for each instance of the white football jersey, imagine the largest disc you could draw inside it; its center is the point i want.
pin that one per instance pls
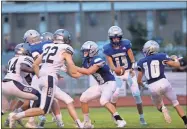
(14, 72)
(52, 59)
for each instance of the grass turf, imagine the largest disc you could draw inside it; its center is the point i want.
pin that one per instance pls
(102, 119)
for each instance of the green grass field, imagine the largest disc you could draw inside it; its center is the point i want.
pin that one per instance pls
(102, 119)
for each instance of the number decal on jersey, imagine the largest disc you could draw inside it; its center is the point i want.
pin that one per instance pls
(154, 69)
(123, 61)
(98, 78)
(12, 67)
(48, 53)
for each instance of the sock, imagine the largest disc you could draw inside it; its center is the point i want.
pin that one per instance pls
(19, 115)
(117, 116)
(78, 122)
(59, 118)
(86, 117)
(184, 119)
(141, 116)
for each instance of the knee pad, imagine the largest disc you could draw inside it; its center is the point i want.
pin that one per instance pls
(103, 102)
(175, 102)
(138, 99)
(83, 98)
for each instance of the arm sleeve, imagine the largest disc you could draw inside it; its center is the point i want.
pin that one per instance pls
(106, 51)
(28, 61)
(69, 50)
(99, 62)
(128, 45)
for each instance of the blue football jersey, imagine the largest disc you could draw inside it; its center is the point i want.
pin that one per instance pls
(119, 56)
(103, 74)
(153, 66)
(38, 47)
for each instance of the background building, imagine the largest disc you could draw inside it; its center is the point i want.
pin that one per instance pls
(140, 21)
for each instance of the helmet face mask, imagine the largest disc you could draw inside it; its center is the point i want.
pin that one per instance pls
(47, 36)
(32, 37)
(22, 49)
(62, 36)
(115, 35)
(89, 49)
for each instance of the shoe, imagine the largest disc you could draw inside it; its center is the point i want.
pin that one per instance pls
(12, 121)
(80, 126)
(114, 120)
(42, 121)
(32, 125)
(142, 121)
(60, 124)
(88, 125)
(6, 124)
(166, 115)
(121, 123)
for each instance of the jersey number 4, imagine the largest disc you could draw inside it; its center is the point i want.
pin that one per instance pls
(12, 66)
(49, 51)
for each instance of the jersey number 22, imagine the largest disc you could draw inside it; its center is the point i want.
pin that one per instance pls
(49, 51)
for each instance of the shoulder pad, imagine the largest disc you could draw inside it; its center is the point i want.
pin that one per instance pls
(106, 49)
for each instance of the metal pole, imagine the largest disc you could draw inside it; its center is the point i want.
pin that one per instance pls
(112, 12)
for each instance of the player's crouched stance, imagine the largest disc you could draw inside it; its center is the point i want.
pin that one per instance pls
(94, 65)
(153, 68)
(13, 83)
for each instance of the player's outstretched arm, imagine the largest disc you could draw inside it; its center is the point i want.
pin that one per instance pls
(36, 65)
(88, 71)
(171, 63)
(71, 68)
(26, 68)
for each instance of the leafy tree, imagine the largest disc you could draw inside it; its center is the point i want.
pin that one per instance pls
(139, 35)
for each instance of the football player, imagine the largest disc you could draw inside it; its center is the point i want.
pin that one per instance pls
(53, 58)
(119, 54)
(36, 50)
(14, 81)
(94, 65)
(152, 66)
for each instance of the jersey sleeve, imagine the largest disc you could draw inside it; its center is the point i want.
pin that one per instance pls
(165, 58)
(69, 50)
(106, 50)
(28, 61)
(99, 62)
(128, 44)
(140, 65)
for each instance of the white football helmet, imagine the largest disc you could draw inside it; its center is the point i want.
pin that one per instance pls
(91, 47)
(47, 36)
(32, 37)
(150, 47)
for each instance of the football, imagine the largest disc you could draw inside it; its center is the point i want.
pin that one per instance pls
(119, 71)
